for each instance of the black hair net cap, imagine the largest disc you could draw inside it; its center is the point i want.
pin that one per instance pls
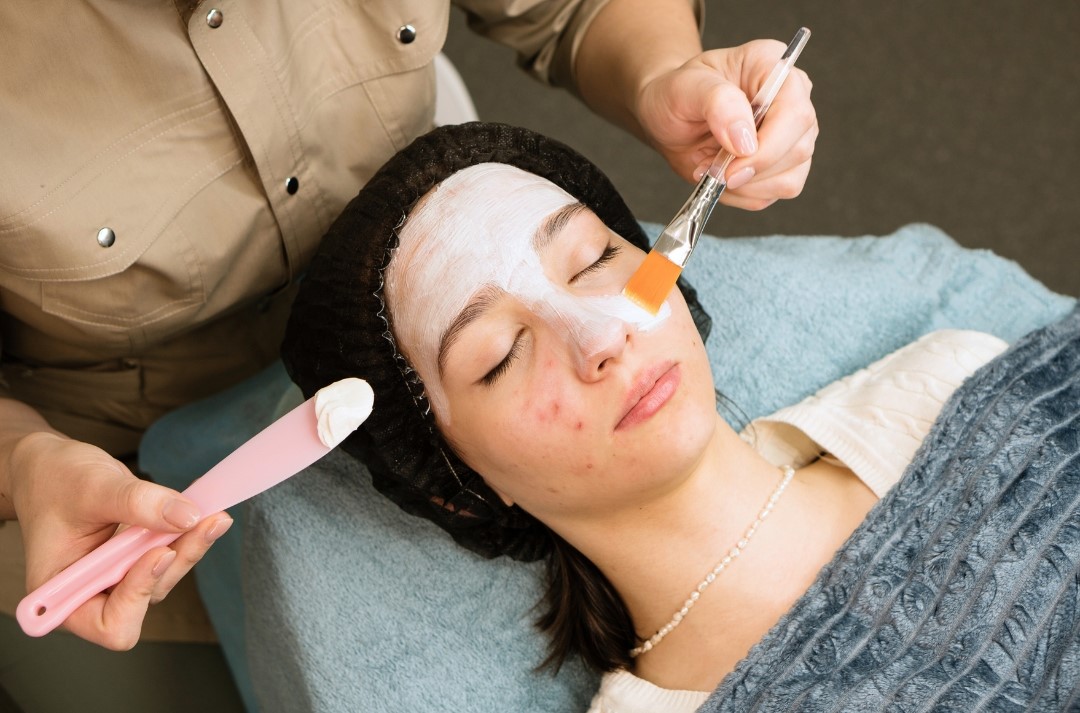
(339, 328)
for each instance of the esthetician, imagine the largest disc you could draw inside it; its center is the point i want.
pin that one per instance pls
(170, 168)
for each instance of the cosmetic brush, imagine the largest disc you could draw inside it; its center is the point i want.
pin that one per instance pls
(650, 285)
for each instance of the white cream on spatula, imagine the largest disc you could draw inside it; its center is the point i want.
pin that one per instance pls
(340, 409)
(282, 449)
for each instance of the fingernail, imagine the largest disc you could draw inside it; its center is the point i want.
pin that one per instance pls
(742, 135)
(163, 563)
(699, 172)
(740, 178)
(219, 528)
(179, 513)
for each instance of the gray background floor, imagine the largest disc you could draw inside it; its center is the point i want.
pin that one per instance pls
(959, 113)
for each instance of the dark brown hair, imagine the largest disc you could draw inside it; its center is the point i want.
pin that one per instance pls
(582, 613)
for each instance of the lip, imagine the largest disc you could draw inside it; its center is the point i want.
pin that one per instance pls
(651, 390)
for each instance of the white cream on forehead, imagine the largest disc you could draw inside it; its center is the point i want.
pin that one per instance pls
(474, 230)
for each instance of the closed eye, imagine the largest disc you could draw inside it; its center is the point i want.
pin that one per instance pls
(605, 257)
(501, 368)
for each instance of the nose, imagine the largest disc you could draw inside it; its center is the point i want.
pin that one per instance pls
(595, 330)
(599, 342)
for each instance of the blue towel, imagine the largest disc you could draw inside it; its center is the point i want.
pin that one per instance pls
(349, 604)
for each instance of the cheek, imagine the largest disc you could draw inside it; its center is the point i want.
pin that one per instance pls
(547, 404)
(535, 423)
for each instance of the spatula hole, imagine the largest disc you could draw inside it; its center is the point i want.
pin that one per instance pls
(41, 610)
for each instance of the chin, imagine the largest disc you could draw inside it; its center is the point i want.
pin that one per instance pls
(680, 437)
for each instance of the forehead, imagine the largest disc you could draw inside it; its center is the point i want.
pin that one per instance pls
(475, 229)
(486, 211)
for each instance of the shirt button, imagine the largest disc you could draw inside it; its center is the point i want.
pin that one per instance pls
(214, 18)
(406, 34)
(292, 185)
(106, 237)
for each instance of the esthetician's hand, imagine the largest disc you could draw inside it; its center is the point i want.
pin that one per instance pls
(68, 497)
(688, 112)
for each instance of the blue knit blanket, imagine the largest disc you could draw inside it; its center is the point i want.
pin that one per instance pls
(961, 589)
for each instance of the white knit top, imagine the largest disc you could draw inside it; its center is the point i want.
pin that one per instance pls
(871, 421)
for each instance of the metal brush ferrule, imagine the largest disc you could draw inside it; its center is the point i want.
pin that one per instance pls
(681, 234)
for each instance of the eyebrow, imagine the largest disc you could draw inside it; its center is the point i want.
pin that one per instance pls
(554, 223)
(477, 307)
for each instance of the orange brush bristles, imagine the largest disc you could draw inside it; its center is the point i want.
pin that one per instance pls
(651, 284)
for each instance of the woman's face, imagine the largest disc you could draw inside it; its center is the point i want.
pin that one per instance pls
(505, 296)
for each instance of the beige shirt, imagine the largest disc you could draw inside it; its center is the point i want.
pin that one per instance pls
(872, 421)
(170, 166)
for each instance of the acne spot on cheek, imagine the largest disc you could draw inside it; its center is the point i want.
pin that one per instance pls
(548, 413)
(578, 426)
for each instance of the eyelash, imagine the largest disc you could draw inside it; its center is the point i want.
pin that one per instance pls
(605, 257)
(492, 376)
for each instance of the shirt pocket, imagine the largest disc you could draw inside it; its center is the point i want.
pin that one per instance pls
(162, 284)
(101, 249)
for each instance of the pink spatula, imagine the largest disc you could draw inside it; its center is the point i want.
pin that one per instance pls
(282, 449)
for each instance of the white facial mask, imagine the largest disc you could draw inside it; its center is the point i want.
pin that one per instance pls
(476, 230)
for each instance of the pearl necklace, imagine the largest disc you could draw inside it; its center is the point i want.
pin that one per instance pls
(735, 551)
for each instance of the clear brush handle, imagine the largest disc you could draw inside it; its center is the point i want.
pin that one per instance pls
(762, 100)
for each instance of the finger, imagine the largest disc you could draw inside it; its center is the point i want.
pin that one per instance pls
(782, 135)
(798, 157)
(729, 114)
(133, 501)
(730, 119)
(744, 203)
(785, 184)
(783, 181)
(114, 620)
(799, 153)
(190, 549)
(756, 195)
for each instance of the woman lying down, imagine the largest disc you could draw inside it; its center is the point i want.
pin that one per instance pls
(908, 537)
